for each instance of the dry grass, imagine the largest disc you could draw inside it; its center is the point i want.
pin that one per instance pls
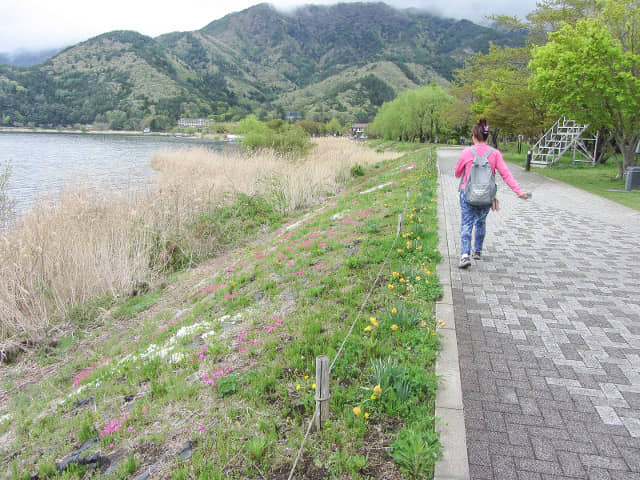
(87, 244)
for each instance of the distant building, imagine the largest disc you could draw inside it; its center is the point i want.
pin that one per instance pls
(194, 122)
(358, 129)
(292, 116)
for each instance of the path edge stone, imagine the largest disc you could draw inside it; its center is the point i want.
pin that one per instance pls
(454, 464)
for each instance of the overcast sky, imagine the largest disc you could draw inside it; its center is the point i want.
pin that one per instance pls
(41, 24)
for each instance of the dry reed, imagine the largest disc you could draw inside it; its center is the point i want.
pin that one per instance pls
(88, 244)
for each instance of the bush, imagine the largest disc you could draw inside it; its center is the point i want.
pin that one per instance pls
(282, 138)
(357, 170)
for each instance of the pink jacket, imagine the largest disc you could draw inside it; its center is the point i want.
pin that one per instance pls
(495, 160)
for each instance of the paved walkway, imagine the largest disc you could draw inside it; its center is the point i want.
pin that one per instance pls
(547, 331)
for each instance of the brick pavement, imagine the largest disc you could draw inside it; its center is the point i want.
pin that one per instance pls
(548, 333)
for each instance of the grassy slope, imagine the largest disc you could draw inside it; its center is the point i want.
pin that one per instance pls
(219, 365)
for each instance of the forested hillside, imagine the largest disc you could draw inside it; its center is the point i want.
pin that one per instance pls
(339, 61)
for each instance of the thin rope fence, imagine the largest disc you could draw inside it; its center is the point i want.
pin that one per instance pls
(355, 322)
(362, 307)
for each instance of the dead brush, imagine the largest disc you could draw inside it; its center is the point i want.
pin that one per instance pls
(87, 244)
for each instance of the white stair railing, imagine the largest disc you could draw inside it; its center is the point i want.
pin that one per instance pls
(562, 136)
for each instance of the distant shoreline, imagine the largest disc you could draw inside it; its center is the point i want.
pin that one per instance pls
(199, 136)
(88, 132)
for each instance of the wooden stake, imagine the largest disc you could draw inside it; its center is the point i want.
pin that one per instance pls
(322, 391)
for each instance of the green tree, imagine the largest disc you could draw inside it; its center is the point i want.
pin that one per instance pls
(334, 126)
(414, 115)
(591, 71)
(496, 85)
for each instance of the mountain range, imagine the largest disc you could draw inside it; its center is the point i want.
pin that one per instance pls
(341, 61)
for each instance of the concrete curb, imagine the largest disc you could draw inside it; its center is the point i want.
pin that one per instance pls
(454, 464)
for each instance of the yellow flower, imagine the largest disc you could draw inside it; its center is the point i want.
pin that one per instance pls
(418, 279)
(298, 387)
(357, 411)
(394, 310)
(373, 397)
(423, 324)
(390, 287)
(400, 250)
(366, 414)
(368, 328)
(394, 327)
(402, 280)
(373, 321)
(306, 377)
(313, 386)
(377, 390)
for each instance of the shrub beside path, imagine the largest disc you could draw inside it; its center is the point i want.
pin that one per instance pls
(548, 334)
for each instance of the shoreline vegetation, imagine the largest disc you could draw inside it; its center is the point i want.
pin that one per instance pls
(75, 131)
(90, 244)
(181, 341)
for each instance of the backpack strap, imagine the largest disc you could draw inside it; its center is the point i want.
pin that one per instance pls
(489, 152)
(485, 157)
(475, 157)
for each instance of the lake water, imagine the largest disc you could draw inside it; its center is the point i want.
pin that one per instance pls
(44, 163)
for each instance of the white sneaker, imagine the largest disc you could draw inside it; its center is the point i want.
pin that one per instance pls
(464, 261)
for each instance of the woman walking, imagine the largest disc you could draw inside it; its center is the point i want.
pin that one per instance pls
(473, 216)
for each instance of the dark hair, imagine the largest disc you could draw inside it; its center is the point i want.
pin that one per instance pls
(481, 130)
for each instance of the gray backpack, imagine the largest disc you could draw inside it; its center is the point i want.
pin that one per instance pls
(481, 185)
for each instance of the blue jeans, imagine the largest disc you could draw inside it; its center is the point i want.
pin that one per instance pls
(472, 216)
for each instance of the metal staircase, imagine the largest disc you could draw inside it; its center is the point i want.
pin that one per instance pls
(564, 134)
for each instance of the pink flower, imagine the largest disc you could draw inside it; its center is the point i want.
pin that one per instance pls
(144, 410)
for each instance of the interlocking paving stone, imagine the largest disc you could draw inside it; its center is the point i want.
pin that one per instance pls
(548, 329)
